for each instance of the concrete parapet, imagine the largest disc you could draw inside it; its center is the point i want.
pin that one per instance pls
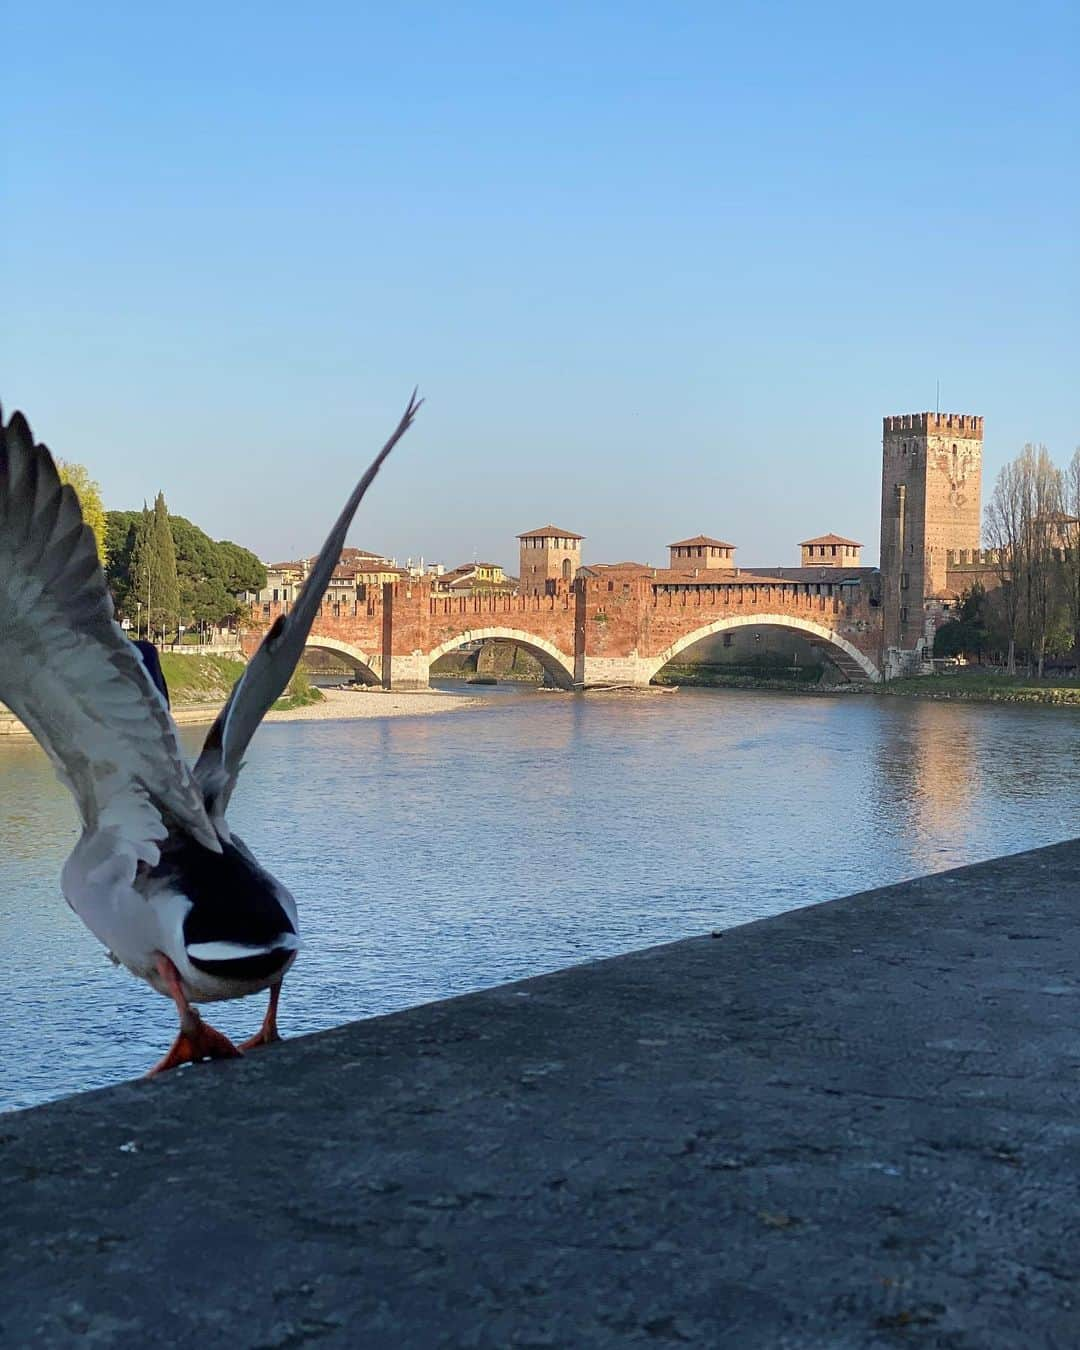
(837, 1127)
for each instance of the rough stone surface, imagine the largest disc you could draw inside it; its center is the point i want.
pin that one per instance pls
(856, 1125)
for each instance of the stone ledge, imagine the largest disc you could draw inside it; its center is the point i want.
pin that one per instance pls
(855, 1125)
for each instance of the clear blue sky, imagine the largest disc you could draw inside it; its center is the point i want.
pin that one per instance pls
(659, 268)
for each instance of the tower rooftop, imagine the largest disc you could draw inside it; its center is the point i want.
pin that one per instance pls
(549, 532)
(830, 539)
(700, 540)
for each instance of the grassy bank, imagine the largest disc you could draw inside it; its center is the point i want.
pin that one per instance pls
(700, 675)
(200, 679)
(969, 686)
(300, 693)
(208, 679)
(987, 687)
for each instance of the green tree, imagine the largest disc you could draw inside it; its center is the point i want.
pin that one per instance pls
(967, 634)
(140, 572)
(121, 527)
(209, 575)
(241, 569)
(89, 495)
(153, 576)
(197, 568)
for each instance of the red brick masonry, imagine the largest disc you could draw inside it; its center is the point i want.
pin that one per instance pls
(594, 630)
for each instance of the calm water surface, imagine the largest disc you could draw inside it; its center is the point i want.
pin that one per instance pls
(433, 855)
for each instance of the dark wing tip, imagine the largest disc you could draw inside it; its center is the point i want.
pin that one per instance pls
(19, 429)
(414, 405)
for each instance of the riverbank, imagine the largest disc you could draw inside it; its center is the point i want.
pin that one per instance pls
(349, 705)
(846, 1126)
(334, 706)
(959, 686)
(984, 687)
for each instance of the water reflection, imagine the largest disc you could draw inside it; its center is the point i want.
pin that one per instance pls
(434, 855)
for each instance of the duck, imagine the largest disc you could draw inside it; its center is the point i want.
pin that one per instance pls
(156, 875)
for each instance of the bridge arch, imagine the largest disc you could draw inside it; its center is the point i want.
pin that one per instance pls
(556, 663)
(360, 661)
(854, 663)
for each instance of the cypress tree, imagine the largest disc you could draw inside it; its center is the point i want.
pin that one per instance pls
(166, 599)
(154, 584)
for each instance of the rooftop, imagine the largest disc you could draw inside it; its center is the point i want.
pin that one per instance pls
(550, 531)
(830, 539)
(732, 576)
(701, 539)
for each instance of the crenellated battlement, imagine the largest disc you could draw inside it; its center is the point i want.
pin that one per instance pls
(928, 423)
(971, 557)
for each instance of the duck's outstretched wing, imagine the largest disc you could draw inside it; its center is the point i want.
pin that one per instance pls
(271, 668)
(69, 673)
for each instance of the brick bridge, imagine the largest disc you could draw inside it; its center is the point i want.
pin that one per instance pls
(592, 631)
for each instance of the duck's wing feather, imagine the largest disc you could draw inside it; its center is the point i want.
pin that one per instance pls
(271, 668)
(68, 671)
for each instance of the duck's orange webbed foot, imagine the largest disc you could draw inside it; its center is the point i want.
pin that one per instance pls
(195, 1040)
(267, 1034)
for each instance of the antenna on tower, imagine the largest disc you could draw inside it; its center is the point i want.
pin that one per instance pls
(937, 399)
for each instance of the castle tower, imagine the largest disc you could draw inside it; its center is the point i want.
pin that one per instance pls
(701, 551)
(830, 550)
(547, 556)
(931, 502)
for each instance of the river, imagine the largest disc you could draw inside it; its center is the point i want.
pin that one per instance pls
(434, 855)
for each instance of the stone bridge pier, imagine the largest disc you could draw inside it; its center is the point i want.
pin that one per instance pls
(591, 632)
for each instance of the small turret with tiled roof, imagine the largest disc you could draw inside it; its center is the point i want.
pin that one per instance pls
(831, 550)
(549, 555)
(702, 551)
